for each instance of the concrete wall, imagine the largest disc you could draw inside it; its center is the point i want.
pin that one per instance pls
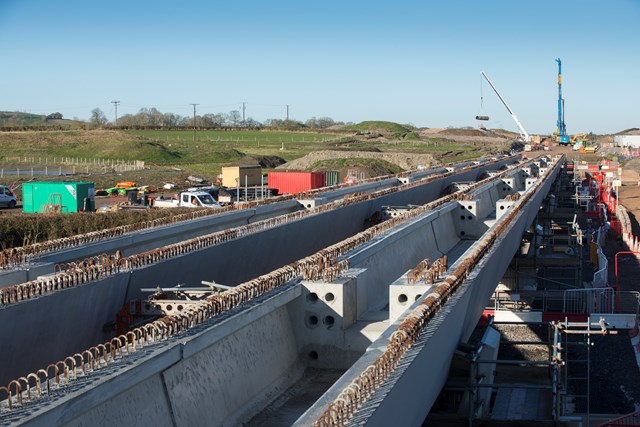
(415, 386)
(145, 240)
(46, 330)
(220, 376)
(71, 320)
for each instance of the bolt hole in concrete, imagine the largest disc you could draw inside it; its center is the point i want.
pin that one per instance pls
(329, 297)
(313, 355)
(169, 307)
(309, 205)
(418, 297)
(402, 298)
(329, 321)
(469, 207)
(501, 208)
(470, 217)
(462, 233)
(313, 320)
(462, 217)
(312, 297)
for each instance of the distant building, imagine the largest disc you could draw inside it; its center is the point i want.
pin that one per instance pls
(632, 141)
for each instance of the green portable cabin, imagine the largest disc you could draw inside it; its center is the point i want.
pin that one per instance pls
(53, 197)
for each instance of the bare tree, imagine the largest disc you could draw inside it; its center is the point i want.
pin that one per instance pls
(234, 117)
(98, 118)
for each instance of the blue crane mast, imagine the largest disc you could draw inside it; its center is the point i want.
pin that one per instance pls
(561, 130)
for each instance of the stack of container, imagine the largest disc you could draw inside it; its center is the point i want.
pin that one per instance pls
(295, 182)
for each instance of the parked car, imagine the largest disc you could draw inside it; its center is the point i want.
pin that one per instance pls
(7, 198)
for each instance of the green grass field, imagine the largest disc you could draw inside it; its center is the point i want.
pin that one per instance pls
(202, 154)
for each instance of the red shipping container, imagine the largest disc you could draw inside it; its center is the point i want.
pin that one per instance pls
(295, 182)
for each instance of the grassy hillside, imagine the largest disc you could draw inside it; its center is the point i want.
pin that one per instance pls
(378, 126)
(10, 118)
(13, 119)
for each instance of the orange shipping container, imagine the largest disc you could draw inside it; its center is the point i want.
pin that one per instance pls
(295, 182)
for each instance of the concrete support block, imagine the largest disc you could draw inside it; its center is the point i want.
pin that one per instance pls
(531, 170)
(312, 203)
(402, 295)
(329, 304)
(508, 187)
(502, 207)
(320, 319)
(468, 222)
(530, 182)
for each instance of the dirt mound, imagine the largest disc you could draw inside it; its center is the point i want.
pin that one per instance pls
(630, 131)
(267, 162)
(462, 132)
(364, 149)
(405, 160)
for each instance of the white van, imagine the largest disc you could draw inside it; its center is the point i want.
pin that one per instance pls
(7, 198)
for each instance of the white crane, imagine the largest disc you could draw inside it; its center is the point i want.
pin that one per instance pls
(523, 133)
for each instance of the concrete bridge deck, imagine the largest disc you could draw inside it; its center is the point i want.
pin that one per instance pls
(283, 337)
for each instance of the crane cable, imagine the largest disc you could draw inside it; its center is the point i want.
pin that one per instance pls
(481, 96)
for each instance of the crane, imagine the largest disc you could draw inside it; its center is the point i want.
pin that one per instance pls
(523, 133)
(561, 131)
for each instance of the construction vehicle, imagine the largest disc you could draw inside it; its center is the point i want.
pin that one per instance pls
(524, 135)
(579, 142)
(189, 199)
(561, 131)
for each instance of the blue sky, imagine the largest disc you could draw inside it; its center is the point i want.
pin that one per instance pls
(413, 62)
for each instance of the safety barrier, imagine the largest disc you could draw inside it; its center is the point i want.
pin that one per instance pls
(594, 300)
(324, 264)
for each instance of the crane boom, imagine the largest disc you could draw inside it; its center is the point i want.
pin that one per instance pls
(523, 133)
(563, 138)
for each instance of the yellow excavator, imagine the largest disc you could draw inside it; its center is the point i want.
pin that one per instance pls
(582, 143)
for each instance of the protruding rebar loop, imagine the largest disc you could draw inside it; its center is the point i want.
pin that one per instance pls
(356, 393)
(23, 256)
(415, 322)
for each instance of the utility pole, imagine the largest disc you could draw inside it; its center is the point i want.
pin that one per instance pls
(194, 121)
(243, 110)
(286, 120)
(116, 105)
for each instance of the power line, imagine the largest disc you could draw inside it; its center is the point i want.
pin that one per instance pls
(115, 103)
(194, 121)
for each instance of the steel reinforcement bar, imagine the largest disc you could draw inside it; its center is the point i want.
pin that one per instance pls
(73, 274)
(322, 265)
(365, 385)
(23, 256)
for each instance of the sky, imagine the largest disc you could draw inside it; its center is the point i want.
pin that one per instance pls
(404, 61)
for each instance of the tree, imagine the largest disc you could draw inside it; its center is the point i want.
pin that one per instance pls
(234, 117)
(251, 122)
(213, 120)
(98, 118)
(320, 123)
(54, 116)
(171, 120)
(274, 123)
